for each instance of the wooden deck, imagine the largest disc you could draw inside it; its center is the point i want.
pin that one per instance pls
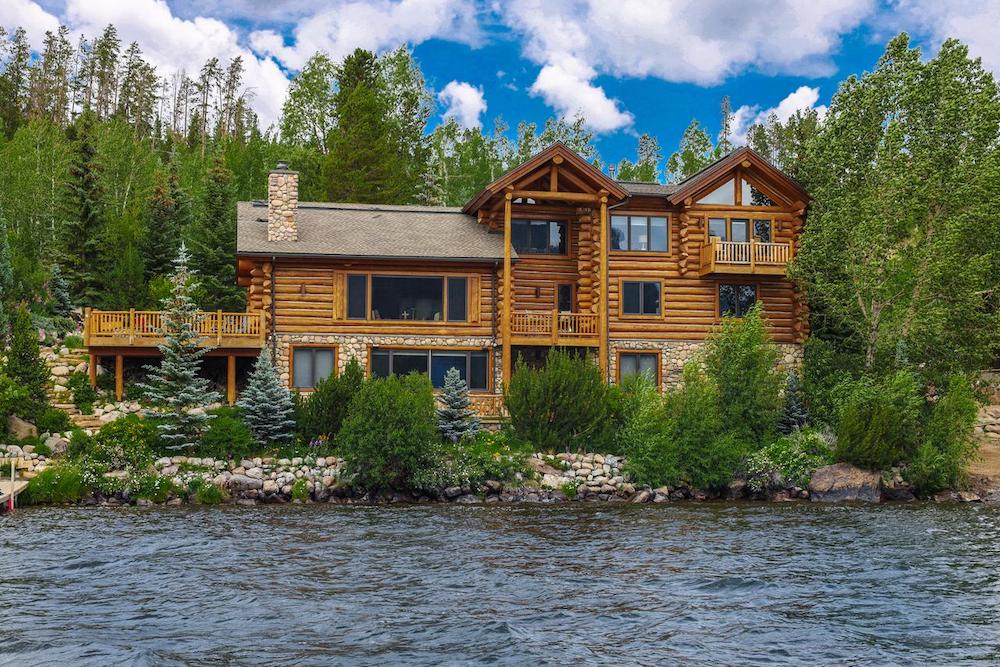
(753, 258)
(141, 328)
(554, 328)
(10, 489)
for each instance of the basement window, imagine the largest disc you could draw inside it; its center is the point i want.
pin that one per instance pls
(310, 365)
(472, 365)
(736, 300)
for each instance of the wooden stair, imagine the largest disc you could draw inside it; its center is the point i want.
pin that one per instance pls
(64, 400)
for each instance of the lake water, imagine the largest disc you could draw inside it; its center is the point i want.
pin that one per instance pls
(551, 585)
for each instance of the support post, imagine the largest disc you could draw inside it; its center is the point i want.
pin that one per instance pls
(119, 377)
(507, 288)
(218, 327)
(555, 326)
(231, 379)
(602, 302)
(92, 370)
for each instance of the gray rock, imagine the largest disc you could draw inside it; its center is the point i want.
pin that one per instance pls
(452, 492)
(843, 482)
(245, 483)
(20, 428)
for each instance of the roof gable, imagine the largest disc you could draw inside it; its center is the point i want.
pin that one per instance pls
(745, 158)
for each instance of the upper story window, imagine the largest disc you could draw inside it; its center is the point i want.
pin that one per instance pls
(417, 298)
(543, 237)
(724, 195)
(643, 233)
(740, 229)
(753, 196)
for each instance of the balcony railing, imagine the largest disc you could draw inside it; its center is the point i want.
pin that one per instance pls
(553, 325)
(718, 256)
(141, 328)
(489, 406)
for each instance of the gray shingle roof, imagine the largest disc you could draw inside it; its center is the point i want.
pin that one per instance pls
(648, 189)
(369, 230)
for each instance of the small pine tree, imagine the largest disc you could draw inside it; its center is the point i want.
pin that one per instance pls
(59, 291)
(794, 416)
(24, 364)
(456, 420)
(174, 386)
(6, 283)
(267, 404)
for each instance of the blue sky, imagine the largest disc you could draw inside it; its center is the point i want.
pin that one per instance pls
(631, 66)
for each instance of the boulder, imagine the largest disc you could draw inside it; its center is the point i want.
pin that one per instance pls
(21, 429)
(843, 482)
(542, 468)
(244, 483)
(60, 371)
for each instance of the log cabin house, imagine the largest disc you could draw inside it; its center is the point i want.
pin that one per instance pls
(553, 253)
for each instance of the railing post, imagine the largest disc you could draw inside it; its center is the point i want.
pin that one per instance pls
(131, 326)
(86, 326)
(555, 325)
(218, 327)
(753, 254)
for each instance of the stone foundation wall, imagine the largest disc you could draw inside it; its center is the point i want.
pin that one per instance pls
(350, 346)
(675, 354)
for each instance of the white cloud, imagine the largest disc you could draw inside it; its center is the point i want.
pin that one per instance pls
(972, 21)
(376, 25)
(464, 102)
(746, 116)
(686, 41)
(28, 15)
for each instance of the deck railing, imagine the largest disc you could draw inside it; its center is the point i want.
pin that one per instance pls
(143, 327)
(554, 324)
(488, 405)
(749, 253)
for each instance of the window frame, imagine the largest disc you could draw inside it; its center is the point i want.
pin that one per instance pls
(572, 296)
(471, 279)
(628, 235)
(731, 215)
(622, 315)
(659, 364)
(738, 175)
(429, 350)
(310, 346)
(718, 296)
(565, 237)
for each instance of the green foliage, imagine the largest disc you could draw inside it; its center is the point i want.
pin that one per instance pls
(25, 366)
(564, 405)
(389, 431)
(74, 342)
(300, 490)
(62, 304)
(267, 405)
(880, 421)
(43, 450)
(60, 483)
(13, 400)
(942, 459)
(794, 416)
(84, 396)
(740, 360)
(456, 420)
(53, 420)
(124, 444)
(201, 492)
(824, 371)
(321, 414)
(79, 444)
(694, 153)
(473, 460)
(213, 239)
(150, 486)
(646, 168)
(227, 436)
(791, 459)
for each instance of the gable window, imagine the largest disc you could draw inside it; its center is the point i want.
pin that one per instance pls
(640, 298)
(542, 237)
(725, 195)
(752, 196)
(643, 233)
(635, 363)
(736, 300)
(472, 365)
(417, 298)
(310, 365)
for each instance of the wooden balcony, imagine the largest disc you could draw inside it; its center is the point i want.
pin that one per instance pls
(141, 328)
(540, 327)
(738, 257)
(489, 406)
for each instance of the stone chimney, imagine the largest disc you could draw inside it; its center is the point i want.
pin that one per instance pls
(282, 201)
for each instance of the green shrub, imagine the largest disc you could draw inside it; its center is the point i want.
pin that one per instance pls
(53, 420)
(227, 436)
(389, 431)
(43, 450)
(473, 460)
(79, 444)
(61, 483)
(151, 486)
(84, 396)
(794, 458)
(942, 459)
(124, 444)
(566, 405)
(74, 342)
(321, 414)
(300, 490)
(879, 421)
(824, 369)
(642, 438)
(201, 492)
(13, 400)
(740, 360)
(25, 366)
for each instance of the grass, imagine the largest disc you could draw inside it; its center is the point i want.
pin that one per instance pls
(74, 342)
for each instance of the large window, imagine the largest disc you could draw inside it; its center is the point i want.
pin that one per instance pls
(639, 232)
(736, 300)
(419, 298)
(739, 229)
(310, 365)
(472, 365)
(538, 237)
(640, 298)
(634, 363)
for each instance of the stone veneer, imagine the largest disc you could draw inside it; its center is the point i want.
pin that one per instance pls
(675, 354)
(282, 201)
(351, 346)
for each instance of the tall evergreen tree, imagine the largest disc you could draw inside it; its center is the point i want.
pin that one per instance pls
(694, 153)
(81, 233)
(24, 363)
(213, 242)
(794, 416)
(308, 115)
(6, 284)
(646, 168)
(163, 230)
(62, 303)
(267, 404)
(14, 81)
(175, 386)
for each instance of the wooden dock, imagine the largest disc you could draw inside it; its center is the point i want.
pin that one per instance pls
(10, 490)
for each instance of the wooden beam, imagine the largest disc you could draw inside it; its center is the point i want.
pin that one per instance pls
(231, 379)
(119, 377)
(554, 179)
(507, 288)
(92, 370)
(555, 196)
(602, 303)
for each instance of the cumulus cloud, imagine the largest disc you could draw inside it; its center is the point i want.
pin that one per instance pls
(972, 21)
(376, 25)
(28, 15)
(463, 102)
(687, 41)
(747, 116)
